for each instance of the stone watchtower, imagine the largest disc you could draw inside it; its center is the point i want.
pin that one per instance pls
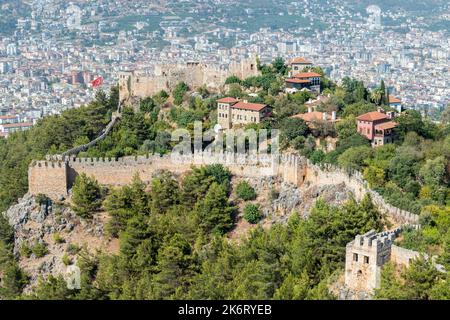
(125, 84)
(364, 258)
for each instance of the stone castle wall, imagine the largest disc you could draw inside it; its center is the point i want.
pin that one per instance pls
(195, 75)
(48, 177)
(364, 258)
(55, 177)
(328, 174)
(403, 256)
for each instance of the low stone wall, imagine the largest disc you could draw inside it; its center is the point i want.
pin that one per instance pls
(328, 174)
(403, 256)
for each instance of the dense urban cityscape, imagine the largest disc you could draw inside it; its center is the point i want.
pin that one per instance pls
(57, 48)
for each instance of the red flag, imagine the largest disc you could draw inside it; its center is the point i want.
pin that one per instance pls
(97, 82)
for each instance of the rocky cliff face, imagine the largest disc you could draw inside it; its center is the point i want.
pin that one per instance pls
(293, 198)
(48, 236)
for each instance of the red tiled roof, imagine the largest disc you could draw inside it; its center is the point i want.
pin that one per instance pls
(386, 125)
(8, 117)
(300, 60)
(393, 99)
(307, 75)
(227, 100)
(294, 80)
(20, 124)
(310, 116)
(249, 106)
(372, 116)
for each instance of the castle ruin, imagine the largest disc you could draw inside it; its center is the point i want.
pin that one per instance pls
(55, 177)
(138, 84)
(365, 256)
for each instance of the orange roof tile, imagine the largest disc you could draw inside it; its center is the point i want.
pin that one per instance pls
(372, 116)
(393, 99)
(310, 116)
(295, 80)
(249, 106)
(300, 60)
(386, 125)
(307, 75)
(20, 124)
(227, 100)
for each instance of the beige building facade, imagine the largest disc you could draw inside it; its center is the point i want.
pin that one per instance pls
(232, 112)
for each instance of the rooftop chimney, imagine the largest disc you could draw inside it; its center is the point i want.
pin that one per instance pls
(309, 109)
(324, 116)
(380, 109)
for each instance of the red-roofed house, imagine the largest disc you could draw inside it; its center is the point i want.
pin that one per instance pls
(377, 126)
(312, 116)
(298, 64)
(299, 81)
(395, 103)
(231, 112)
(8, 119)
(7, 128)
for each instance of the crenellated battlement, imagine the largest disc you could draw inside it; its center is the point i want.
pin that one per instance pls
(48, 164)
(365, 256)
(291, 168)
(119, 171)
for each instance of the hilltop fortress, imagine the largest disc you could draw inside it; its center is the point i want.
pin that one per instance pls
(55, 176)
(365, 255)
(138, 84)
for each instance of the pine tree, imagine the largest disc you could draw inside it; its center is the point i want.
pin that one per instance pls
(164, 193)
(87, 196)
(13, 281)
(213, 211)
(137, 231)
(173, 267)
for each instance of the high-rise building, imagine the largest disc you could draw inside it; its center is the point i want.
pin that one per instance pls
(374, 20)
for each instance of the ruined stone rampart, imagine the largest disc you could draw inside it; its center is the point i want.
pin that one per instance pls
(48, 176)
(329, 174)
(195, 75)
(403, 256)
(56, 177)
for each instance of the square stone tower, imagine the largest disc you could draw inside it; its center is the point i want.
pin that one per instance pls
(224, 112)
(363, 260)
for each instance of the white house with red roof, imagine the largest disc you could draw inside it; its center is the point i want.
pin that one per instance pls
(7, 128)
(8, 119)
(395, 103)
(232, 112)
